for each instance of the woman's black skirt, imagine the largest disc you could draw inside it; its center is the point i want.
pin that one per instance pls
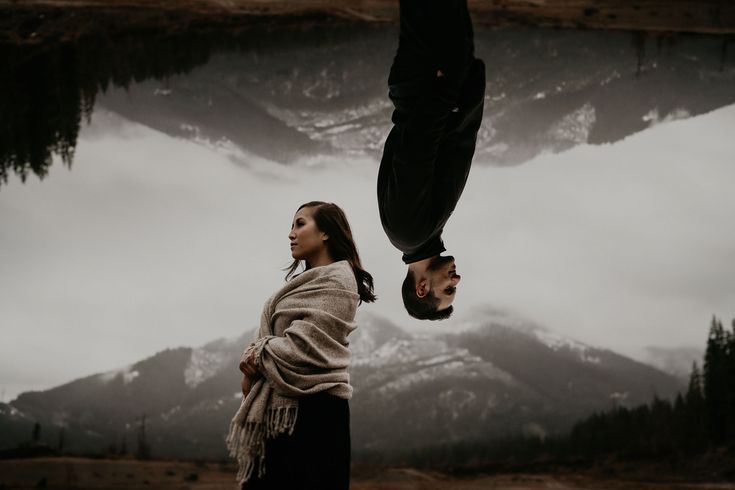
(316, 456)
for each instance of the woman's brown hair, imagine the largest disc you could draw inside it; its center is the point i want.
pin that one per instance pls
(330, 219)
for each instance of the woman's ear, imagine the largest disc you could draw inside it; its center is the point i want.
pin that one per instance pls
(325, 237)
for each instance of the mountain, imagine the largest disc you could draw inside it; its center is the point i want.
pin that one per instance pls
(499, 376)
(677, 361)
(291, 94)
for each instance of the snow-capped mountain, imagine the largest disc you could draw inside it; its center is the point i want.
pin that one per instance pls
(292, 94)
(500, 376)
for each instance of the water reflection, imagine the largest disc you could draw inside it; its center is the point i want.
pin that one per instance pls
(48, 90)
(285, 94)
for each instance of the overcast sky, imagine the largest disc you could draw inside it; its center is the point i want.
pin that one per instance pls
(152, 242)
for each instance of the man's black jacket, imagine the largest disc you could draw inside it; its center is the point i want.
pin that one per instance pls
(427, 157)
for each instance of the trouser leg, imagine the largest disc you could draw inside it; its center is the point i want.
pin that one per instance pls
(428, 107)
(316, 456)
(434, 35)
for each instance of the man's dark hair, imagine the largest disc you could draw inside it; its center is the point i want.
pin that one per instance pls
(422, 308)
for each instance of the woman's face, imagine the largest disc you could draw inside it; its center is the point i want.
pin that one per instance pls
(306, 239)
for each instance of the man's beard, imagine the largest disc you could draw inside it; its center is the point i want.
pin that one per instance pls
(438, 262)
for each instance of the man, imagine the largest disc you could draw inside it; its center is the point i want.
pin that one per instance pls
(437, 87)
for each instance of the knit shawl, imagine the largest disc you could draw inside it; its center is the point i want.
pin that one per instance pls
(301, 349)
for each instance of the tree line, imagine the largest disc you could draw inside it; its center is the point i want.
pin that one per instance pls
(700, 419)
(49, 89)
(40, 447)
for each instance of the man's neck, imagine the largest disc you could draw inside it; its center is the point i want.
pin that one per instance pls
(420, 266)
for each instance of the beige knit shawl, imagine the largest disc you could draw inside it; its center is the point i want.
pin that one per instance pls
(301, 349)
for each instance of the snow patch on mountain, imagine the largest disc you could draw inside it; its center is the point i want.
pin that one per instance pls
(429, 374)
(618, 397)
(354, 129)
(192, 131)
(442, 358)
(591, 359)
(108, 376)
(534, 429)
(127, 374)
(653, 117)
(612, 77)
(202, 365)
(325, 87)
(488, 370)
(456, 401)
(371, 334)
(10, 411)
(397, 351)
(576, 126)
(556, 342)
(170, 413)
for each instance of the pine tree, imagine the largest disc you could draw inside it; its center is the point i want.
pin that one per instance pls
(144, 447)
(715, 383)
(730, 382)
(61, 440)
(124, 443)
(36, 435)
(694, 395)
(695, 430)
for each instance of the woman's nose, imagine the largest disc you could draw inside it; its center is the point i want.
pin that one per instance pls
(455, 280)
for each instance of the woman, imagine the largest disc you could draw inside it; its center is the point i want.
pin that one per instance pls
(292, 428)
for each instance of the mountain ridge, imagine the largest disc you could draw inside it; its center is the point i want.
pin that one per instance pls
(548, 91)
(496, 379)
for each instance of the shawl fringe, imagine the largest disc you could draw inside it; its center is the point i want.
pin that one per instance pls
(246, 441)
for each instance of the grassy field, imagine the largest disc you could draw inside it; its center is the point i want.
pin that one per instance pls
(83, 474)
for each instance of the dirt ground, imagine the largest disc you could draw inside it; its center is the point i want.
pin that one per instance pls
(95, 474)
(35, 21)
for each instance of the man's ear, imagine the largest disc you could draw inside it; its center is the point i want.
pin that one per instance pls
(422, 288)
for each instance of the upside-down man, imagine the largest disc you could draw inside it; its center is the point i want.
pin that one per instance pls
(437, 87)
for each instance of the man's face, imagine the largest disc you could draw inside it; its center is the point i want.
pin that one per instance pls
(443, 279)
